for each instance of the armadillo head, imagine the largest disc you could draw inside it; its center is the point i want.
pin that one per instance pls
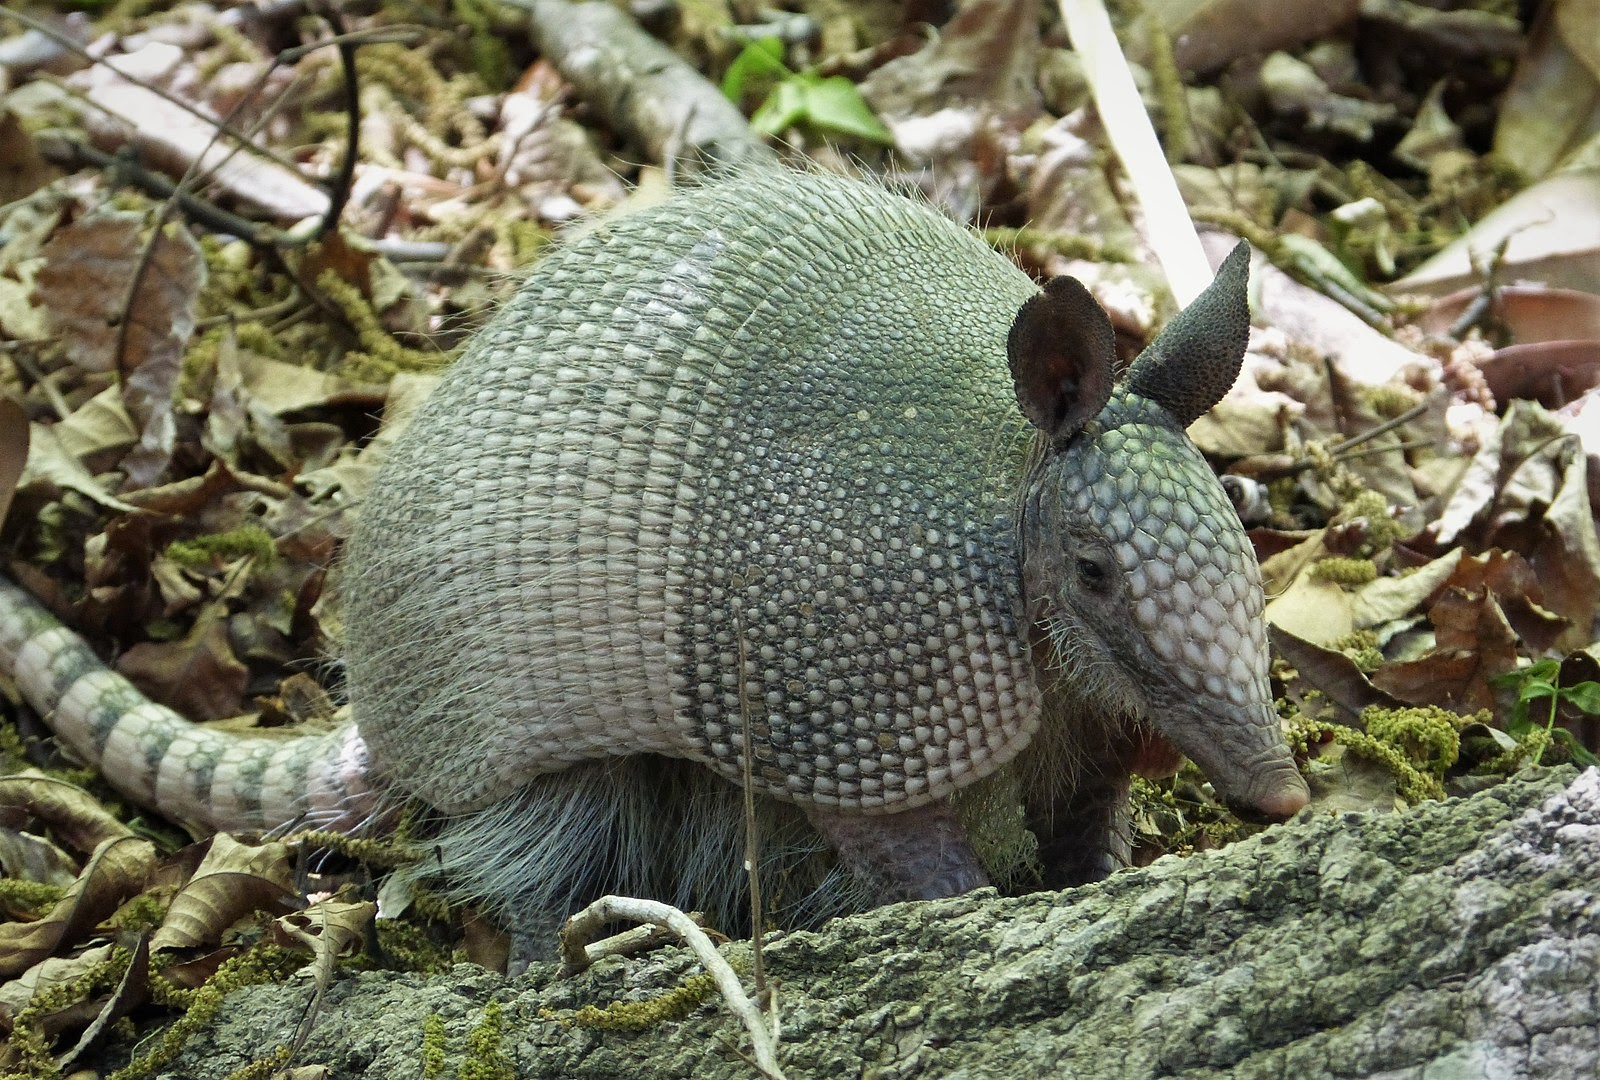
(1142, 584)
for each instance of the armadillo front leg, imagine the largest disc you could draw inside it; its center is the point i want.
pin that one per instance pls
(919, 854)
(1084, 836)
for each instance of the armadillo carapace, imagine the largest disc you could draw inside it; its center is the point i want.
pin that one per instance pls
(789, 464)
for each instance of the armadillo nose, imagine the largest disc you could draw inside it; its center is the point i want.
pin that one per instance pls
(1287, 797)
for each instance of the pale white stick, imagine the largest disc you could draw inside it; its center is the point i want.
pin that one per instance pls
(582, 928)
(1168, 227)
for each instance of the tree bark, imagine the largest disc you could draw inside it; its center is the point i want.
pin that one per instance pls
(1457, 939)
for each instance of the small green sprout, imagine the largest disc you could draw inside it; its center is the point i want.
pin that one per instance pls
(1541, 682)
(831, 104)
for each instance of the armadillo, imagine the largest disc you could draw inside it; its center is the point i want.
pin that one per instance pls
(791, 483)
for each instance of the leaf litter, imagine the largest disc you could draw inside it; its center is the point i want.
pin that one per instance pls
(1413, 442)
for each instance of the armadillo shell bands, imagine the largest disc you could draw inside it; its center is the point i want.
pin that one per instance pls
(750, 457)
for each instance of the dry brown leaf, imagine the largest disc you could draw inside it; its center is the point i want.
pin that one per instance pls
(1528, 312)
(1333, 674)
(233, 880)
(1552, 107)
(22, 170)
(199, 676)
(85, 281)
(26, 857)
(1554, 355)
(46, 975)
(548, 160)
(1527, 491)
(98, 432)
(1283, 567)
(350, 263)
(1551, 233)
(1390, 599)
(72, 813)
(1474, 490)
(1211, 34)
(1342, 781)
(1553, 373)
(192, 974)
(329, 929)
(1311, 608)
(1455, 681)
(954, 104)
(117, 870)
(162, 313)
(13, 451)
(1476, 643)
(1567, 556)
(132, 990)
(97, 274)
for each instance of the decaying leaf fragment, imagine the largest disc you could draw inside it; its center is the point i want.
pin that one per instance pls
(100, 273)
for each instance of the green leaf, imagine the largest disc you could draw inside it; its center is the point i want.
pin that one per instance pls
(835, 104)
(1584, 696)
(784, 107)
(762, 58)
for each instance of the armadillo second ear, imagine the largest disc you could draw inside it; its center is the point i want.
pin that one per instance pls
(1196, 358)
(1061, 349)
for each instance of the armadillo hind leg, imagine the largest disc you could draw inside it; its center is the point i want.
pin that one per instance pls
(636, 826)
(918, 854)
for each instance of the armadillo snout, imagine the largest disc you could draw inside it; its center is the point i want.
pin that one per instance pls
(1243, 754)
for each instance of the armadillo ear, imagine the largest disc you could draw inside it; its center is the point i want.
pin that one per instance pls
(1061, 349)
(1196, 358)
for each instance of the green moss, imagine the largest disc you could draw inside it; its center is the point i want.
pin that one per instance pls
(1382, 529)
(408, 946)
(1361, 646)
(144, 912)
(675, 1004)
(203, 552)
(1416, 744)
(1427, 734)
(30, 1043)
(379, 355)
(486, 1060)
(29, 897)
(263, 1068)
(433, 1047)
(1347, 573)
(1390, 400)
(1530, 748)
(1167, 823)
(263, 963)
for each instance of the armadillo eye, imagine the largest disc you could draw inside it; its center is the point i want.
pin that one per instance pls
(1092, 574)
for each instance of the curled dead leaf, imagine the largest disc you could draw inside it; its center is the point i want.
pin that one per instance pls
(72, 813)
(232, 881)
(117, 870)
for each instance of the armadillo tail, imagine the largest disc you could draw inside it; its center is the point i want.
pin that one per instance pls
(159, 760)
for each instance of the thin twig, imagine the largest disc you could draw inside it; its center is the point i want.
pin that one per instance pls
(752, 838)
(339, 191)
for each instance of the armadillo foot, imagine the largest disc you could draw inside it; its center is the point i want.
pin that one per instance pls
(919, 854)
